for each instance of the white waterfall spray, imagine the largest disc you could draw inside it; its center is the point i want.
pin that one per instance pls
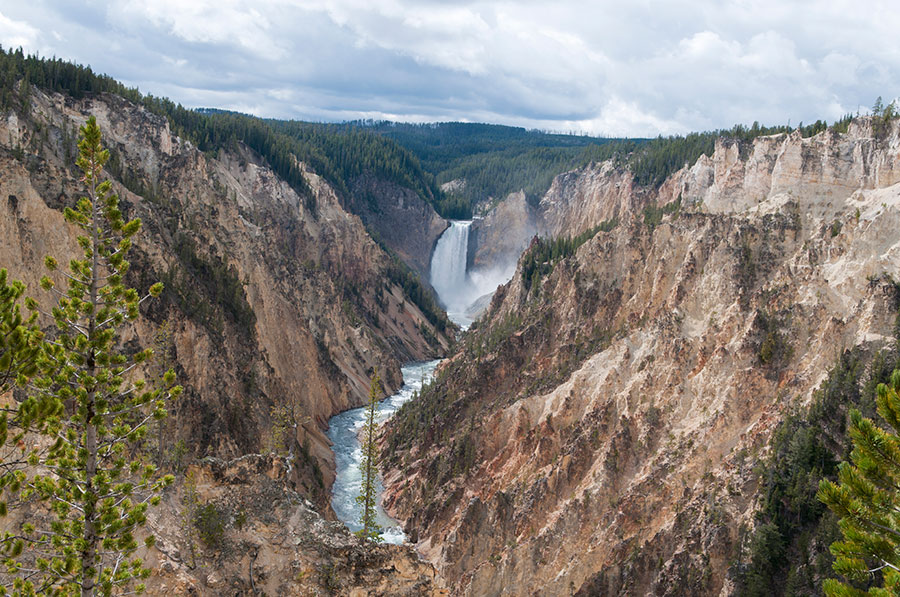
(458, 289)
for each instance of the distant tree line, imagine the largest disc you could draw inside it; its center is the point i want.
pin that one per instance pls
(493, 160)
(343, 152)
(531, 170)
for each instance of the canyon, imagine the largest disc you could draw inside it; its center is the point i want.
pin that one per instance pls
(597, 429)
(276, 310)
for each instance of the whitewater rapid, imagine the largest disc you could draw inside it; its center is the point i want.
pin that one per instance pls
(343, 431)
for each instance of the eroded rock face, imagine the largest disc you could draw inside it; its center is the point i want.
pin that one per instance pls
(581, 199)
(596, 432)
(275, 302)
(500, 237)
(575, 202)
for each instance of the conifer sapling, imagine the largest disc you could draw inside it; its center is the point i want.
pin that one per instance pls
(369, 467)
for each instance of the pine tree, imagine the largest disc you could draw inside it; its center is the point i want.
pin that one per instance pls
(868, 500)
(87, 461)
(20, 349)
(19, 338)
(369, 467)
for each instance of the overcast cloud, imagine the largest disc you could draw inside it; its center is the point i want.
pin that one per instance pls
(624, 68)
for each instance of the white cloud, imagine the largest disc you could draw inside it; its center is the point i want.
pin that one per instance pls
(620, 118)
(839, 69)
(707, 46)
(205, 22)
(622, 68)
(15, 34)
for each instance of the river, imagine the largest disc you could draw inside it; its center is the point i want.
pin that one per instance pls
(457, 290)
(343, 431)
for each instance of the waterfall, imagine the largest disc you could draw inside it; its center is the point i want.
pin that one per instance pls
(448, 271)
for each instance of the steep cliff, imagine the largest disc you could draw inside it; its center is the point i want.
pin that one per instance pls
(580, 199)
(277, 306)
(499, 238)
(575, 202)
(401, 219)
(598, 429)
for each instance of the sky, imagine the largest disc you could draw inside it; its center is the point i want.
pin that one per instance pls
(622, 68)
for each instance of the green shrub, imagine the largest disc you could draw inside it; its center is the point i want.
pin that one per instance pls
(210, 522)
(836, 227)
(774, 348)
(543, 254)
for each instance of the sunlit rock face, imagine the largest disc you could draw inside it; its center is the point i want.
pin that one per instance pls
(597, 431)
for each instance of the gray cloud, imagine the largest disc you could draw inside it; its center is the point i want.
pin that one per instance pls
(617, 68)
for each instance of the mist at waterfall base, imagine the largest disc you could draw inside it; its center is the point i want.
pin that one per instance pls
(463, 293)
(343, 431)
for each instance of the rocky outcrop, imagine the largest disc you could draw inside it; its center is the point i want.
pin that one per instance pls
(277, 306)
(581, 199)
(596, 432)
(576, 201)
(738, 176)
(237, 528)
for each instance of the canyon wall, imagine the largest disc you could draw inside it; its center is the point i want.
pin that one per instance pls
(260, 537)
(400, 218)
(277, 306)
(500, 237)
(597, 430)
